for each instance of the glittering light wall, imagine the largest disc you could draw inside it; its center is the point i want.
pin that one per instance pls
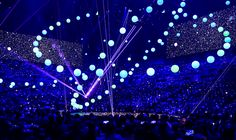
(198, 35)
(22, 45)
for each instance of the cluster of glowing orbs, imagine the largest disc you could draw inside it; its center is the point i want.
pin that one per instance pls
(111, 43)
(123, 74)
(134, 19)
(102, 55)
(76, 95)
(60, 68)
(149, 9)
(12, 84)
(122, 30)
(195, 64)
(92, 67)
(99, 72)
(77, 72)
(160, 2)
(226, 46)
(150, 71)
(174, 68)
(210, 59)
(47, 62)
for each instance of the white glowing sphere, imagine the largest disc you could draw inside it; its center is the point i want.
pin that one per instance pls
(35, 49)
(39, 54)
(102, 55)
(210, 59)
(86, 104)
(195, 64)
(220, 53)
(73, 100)
(111, 43)
(39, 37)
(26, 84)
(99, 72)
(80, 87)
(47, 62)
(174, 68)
(92, 100)
(99, 97)
(60, 68)
(134, 19)
(107, 92)
(85, 77)
(113, 86)
(123, 74)
(77, 72)
(122, 80)
(122, 30)
(150, 71)
(92, 67)
(76, 95)
(137, 65)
